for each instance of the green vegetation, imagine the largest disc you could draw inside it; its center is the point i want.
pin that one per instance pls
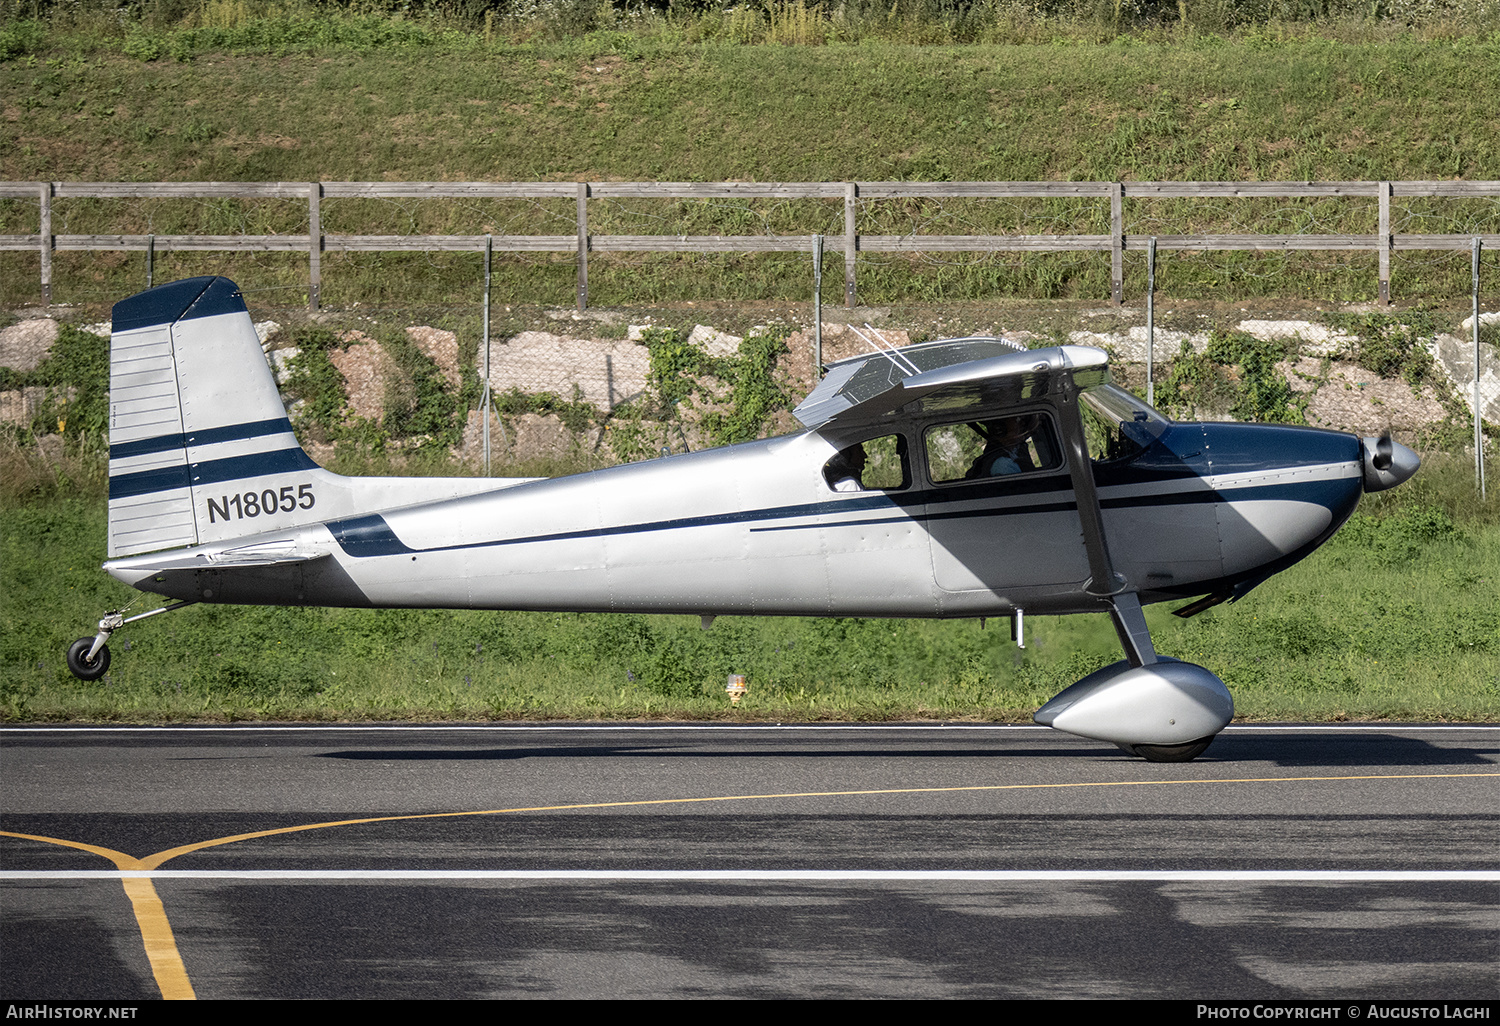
(728, 399)
(1241, 376)
(1236, 374)
(74, 384)
(316, 383)
(182, 29)
(422, 408)
(307, 93)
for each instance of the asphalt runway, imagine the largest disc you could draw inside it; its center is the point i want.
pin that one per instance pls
(651, 861)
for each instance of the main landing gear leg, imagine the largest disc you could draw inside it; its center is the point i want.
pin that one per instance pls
(88, 658)
(1135, 638)
(1158, 708)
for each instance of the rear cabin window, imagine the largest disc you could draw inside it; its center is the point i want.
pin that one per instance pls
(999, 447)
(879, 464)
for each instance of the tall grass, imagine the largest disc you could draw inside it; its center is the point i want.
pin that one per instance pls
(292, 25)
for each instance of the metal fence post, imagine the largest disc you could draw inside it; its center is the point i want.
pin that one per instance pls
(583, 246)
(1385, 243)
(817, 308)
(45, 241)
(314, 244)
(851, 243)
(489, 251)
(1117, 242)
(1478, 419)
(1150, 321)
(150, 259)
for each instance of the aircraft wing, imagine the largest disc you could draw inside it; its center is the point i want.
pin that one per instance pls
(950, 374)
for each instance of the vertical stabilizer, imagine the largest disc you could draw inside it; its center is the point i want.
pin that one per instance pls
(174, 451)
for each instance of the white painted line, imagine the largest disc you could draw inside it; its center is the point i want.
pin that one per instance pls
(772, 875)
(529, 728)
(1009, 728)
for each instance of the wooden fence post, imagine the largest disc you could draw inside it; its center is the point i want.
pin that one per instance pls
(314, 244)
(851, 244)
(46, 243)
(583, 246)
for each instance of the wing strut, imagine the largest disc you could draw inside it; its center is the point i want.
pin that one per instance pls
(1160, 709)
(1104, 582)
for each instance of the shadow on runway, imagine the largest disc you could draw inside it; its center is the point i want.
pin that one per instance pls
(1302, 751)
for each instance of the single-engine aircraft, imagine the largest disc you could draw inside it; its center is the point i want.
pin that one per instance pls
(965, 477)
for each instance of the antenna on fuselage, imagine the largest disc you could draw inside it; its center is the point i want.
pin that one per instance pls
(886, 350)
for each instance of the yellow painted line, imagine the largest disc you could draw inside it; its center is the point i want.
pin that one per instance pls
(119, 858)
(171, 976)
(150, 917)
(154, 861)
(161, 947)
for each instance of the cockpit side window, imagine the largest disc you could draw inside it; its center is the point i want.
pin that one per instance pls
(997, 447)
(879, 464)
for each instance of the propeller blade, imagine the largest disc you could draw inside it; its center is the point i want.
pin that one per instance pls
(1384, 450)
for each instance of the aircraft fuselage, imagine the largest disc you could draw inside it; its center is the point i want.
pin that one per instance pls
(756, 529)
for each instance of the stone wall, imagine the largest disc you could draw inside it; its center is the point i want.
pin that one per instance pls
(606, 372)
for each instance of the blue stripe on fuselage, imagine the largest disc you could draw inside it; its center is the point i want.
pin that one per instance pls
(372, 536)
(367, 536)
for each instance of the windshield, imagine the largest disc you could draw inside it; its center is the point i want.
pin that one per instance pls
(1116, 424)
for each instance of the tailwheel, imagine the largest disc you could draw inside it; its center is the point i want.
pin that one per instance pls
(1171, 753)
(85, 668)
(79, 663)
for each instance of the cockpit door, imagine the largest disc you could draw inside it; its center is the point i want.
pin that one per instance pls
(1000, 512)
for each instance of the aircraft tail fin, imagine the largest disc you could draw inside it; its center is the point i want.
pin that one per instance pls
(196, 464)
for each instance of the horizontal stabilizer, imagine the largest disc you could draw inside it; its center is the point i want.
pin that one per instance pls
(235, 559)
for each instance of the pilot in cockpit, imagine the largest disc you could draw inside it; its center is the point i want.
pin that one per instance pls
(845, 471)
(1006, 449)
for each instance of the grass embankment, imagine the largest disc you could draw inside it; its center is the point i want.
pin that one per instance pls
(1397, 618)
(1277, 103)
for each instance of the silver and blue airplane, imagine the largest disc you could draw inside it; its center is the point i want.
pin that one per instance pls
(966, 477)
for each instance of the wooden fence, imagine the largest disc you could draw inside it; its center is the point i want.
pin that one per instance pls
(315, 243)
